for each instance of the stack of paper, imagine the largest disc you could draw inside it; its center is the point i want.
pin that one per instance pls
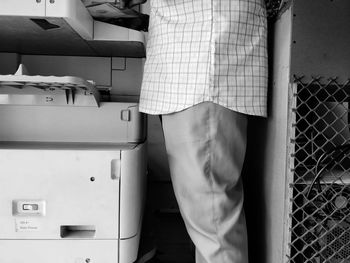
(108, 10)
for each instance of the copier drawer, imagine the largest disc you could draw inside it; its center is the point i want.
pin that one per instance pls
(111, 122)
(63, 203)
(57, 251)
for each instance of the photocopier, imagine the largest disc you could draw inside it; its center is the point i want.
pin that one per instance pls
(72, 164)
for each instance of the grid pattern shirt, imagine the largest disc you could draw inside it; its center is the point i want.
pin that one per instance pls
(206, 50)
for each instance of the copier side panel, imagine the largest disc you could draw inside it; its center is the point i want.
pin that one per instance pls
(132, 198)
(133, 181)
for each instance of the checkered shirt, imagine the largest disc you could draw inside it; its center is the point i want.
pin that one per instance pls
(206, 50)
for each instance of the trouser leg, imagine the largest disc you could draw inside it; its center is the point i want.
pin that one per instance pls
(206, 146)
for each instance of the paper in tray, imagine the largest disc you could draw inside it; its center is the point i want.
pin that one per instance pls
(110, 11)
(97, 2)
(121, 4)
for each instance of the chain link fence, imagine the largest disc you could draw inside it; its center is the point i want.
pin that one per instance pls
(320, 165)
(275, 7)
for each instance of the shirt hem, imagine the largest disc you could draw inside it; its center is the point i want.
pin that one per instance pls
(259, 113)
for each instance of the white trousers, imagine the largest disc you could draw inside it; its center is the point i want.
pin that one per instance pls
(206, 146)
